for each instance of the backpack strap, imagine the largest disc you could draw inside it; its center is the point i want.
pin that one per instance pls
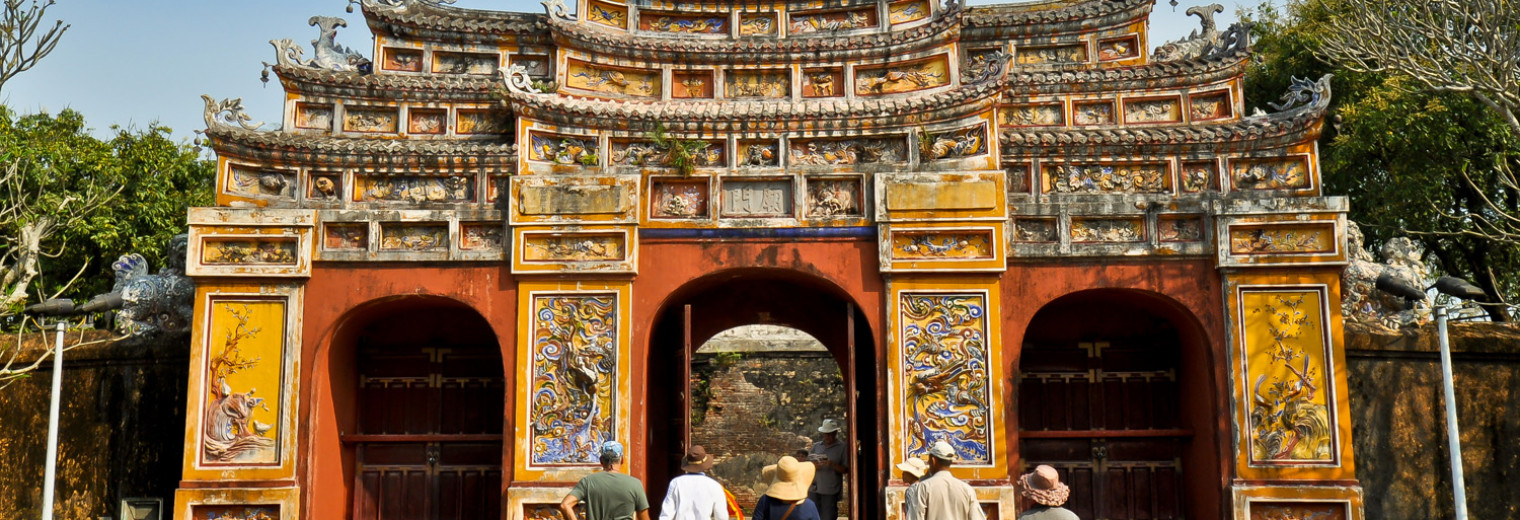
(789, 510)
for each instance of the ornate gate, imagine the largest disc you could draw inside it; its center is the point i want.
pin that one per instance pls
(429, 443)
(1105, 415)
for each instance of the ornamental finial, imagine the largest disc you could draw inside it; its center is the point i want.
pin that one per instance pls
(227, 114)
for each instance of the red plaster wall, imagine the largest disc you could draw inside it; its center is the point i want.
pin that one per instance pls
(1187, 293)
(339, 297)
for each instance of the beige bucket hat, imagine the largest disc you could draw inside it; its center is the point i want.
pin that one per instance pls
(792, 479)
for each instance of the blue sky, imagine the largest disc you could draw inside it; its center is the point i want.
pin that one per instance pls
(133, 62)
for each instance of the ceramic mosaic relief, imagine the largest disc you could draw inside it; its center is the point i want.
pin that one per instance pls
(1118, 49)
(927, 245)
(455, 189)
(757, 24)
(960, 143)
(758, 84)
(1040, 114)
(626, 82)
(239, 512)
(249, 251)
(1108, 178)
(545, 247)
(245, 365)
(607, 14)
(1052, 55)
(1270, 174)
(686, 24)
(829, 198)
(817, 22)
(1160, 110)
(1281, 239)
(678, 199)
(1288, 377)
(909, 11)
(562, 149)
(572, 409)
(902, 77)
(945, 372)
(1092, 113)
(1297, 511)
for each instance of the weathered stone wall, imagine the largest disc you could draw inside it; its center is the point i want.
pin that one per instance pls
(122, 430)
(761, 405)
(1400, 420)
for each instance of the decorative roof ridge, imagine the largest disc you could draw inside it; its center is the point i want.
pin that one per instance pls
(323, 143)
(439, 17)
(386, 86)
(1298, 117)
(525, 100)
(1195, 70)
(617, 43)
(1019, 15)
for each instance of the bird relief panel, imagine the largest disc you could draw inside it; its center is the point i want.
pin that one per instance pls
(907, 76)
(1280, 173)
(618, 81)
(815, 22)
(244, 377)
(572, 407)
(1287, 348)
(945, 366)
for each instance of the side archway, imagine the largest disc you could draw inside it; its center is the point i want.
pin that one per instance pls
(1116, 390)
(416, 397)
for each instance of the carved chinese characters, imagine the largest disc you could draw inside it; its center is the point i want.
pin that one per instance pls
(1286, 348)
(751, 199)
(902, 77)
(945, 365)
(243, 381)
(574, 365)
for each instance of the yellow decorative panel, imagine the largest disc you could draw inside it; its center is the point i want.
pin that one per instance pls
(612, 80)
(606, 249)
(607, 14)
(1291, 238)
(222, 503)
(909, 11)
(903, 77)
(1278, 173)
(1034, 114)
(945, 373)
(655, 21)
(943, 247)
(1052, 55)
(1153, 110)
(575, 338)
(1297, 503)
(1287, 353)
(769, 83)
(269, 243)
(757, 24)
(246, 353)
(827, 21)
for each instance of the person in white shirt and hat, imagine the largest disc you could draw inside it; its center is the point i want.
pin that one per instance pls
(1043, 487)
(913, 470)
(832, 458)
(941, 496)
(693, 495)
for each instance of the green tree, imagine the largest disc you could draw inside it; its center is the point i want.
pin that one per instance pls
(105, 197)
(1414, 162)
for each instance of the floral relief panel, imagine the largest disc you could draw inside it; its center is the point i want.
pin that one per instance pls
(1286, 368)
(250, 251)
(427, 121)
(549, 247)
(1108, 178)
(245, 369)
(945, 372)
(401, 60)
(572, 408)
(692, 85)
(1210, 106)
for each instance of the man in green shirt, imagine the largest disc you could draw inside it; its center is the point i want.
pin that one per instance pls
(608, 495)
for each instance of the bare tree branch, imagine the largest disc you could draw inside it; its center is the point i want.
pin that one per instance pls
(21, 46)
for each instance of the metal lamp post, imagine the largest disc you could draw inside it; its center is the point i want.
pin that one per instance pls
(1453, 438)
(50, 474)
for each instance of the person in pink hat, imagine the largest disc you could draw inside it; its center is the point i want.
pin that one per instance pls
(1043, 487)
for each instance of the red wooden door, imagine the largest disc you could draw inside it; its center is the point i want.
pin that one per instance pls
(1105, 415)
(429, 443)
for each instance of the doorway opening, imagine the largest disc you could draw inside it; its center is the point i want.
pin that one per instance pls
(1115, 393)
(760, 392)
(428, 441)
(797, 306)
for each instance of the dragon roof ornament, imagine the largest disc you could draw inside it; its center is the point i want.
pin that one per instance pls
(1304, 93)
(227, 114)
(1210, 41)
(394, 4)
(329, 54)
(517, 80)
(556, 9)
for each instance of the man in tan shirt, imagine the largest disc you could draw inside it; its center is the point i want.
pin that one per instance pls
(941, 496)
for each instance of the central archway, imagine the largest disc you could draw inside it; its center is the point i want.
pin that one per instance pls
(735, 298)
